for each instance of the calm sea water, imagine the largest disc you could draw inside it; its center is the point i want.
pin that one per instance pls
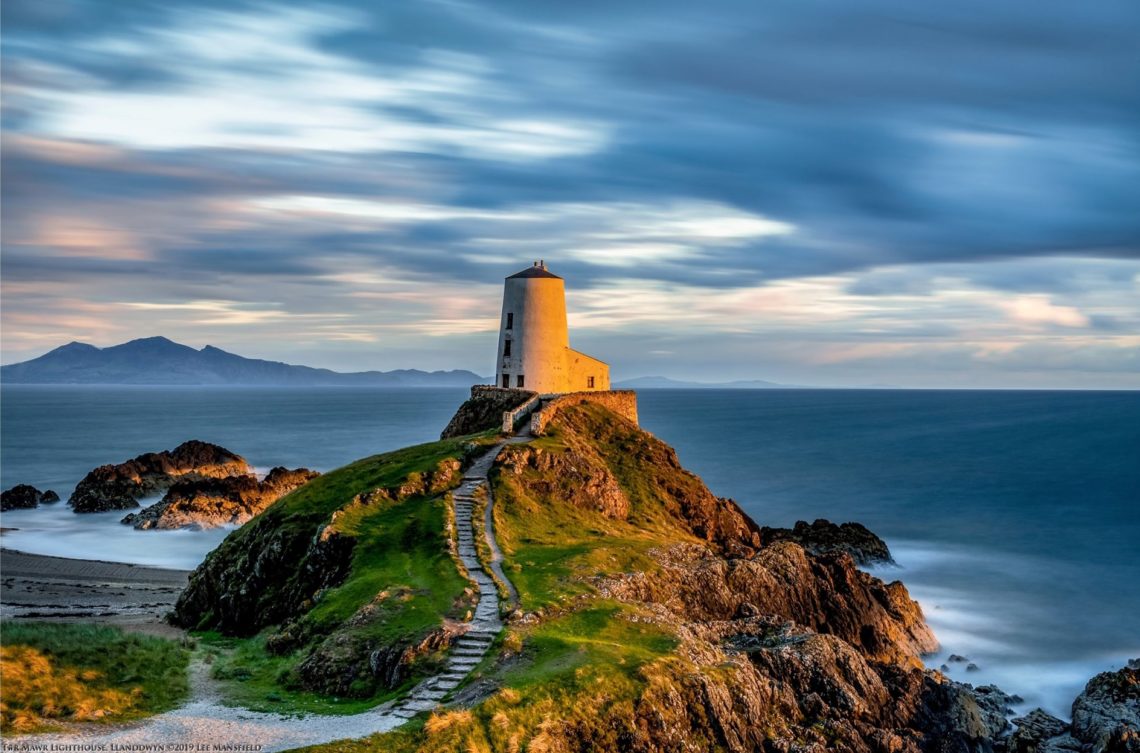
(1014, 516)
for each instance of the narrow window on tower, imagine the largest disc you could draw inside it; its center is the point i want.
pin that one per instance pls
(510, 321)
(590, 382)
(520, 381)
(506, 380)
(506, 349)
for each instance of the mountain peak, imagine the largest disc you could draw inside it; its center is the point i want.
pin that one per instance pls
(75, 347)
(160, 360)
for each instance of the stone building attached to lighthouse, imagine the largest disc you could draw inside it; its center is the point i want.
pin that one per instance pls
(534, 343)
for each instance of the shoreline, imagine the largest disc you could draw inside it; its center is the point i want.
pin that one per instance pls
(39, 587)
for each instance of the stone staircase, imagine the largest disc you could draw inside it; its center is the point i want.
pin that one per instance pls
(471, 648)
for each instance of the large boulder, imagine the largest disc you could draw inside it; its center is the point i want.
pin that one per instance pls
(825, 537)
(121, 486)
(214, 502)
(25, 497)
(1106, 716)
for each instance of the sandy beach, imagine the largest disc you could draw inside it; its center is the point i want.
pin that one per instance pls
(134, 597)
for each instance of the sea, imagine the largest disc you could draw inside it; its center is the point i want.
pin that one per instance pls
(1013, 516)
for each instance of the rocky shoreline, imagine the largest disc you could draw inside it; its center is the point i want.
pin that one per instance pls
(121, 486)
(212, 502)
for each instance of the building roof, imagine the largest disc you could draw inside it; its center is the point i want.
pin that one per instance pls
(538, 270)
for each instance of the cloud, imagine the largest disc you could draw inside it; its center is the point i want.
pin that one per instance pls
(1038, 309)
(815, 186)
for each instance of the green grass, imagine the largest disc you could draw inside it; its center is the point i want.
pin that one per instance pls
(77, 672)
(401, 549)
(253, 678)
(587, 658)
(402, 581)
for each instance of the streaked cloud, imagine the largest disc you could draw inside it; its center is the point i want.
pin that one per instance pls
(816, 194)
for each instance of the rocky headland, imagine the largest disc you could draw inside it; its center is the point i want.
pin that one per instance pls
(213, 502)
(121, 486)
(25, 497)
(652, 616)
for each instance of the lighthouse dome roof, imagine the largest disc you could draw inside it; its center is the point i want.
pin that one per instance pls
(537, 270)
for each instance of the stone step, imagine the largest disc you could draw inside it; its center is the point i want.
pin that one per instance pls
(429, 695)
(417, 706)
(473, 652)
(480, 642)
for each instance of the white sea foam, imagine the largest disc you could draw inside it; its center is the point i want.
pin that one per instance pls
(57, 531)
(970, 623)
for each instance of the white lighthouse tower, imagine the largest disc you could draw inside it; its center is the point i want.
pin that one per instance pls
(534, 343)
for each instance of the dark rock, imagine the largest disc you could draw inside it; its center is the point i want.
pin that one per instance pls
(825, 537)
(119, 487)
(1106, 716)
(971, 667)
(212, 502)
(957, 659)
(25, 497)
(1033, 729)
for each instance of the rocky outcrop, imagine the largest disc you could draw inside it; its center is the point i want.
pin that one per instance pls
(349, 664)
(25, 497)
(825, 593)
(825, 537)
(1033, 730)
(212, 502)
(1106, 719)
(484, 410)
(1106, 716)
(119, 487)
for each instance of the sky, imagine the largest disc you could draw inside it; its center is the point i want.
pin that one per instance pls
(813, 193)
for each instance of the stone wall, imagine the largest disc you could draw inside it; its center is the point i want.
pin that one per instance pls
(484, 410)
(621, 402)
(512, 418)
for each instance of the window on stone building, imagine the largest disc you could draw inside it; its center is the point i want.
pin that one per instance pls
(506, 380)
(506, 349)
(519, 381)
(590, 382)
(510, 321)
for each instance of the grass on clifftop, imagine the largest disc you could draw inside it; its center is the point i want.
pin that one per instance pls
(401, 586)
(53, 672)
(586, 656)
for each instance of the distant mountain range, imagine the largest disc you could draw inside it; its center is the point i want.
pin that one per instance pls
(157, 360)
(665, 383)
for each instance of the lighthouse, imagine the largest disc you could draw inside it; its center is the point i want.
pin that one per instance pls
(534, 343)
